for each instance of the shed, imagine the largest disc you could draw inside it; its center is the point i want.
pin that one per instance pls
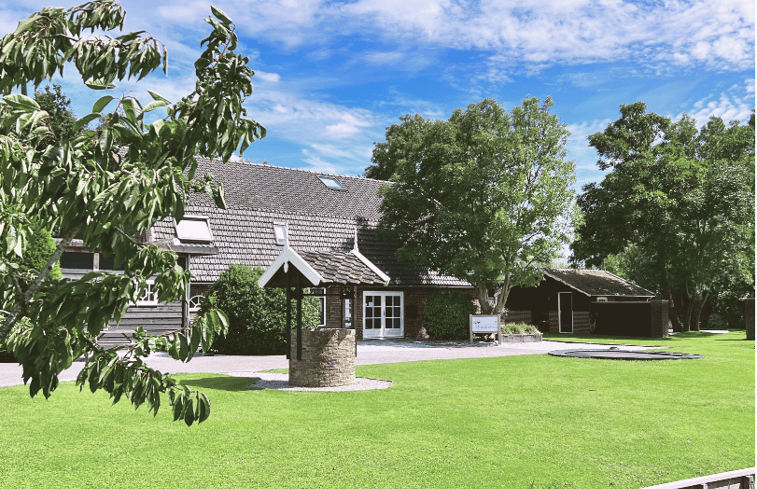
(585, 302)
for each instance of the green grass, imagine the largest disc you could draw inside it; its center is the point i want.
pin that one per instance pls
(514, 422)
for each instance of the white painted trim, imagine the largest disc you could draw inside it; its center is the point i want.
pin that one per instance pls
(291, 256)
(559, 313)
(148, 293)
(193, 217)
(370, 265)
(382, 331)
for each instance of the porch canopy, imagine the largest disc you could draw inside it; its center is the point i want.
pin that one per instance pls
(317, 269)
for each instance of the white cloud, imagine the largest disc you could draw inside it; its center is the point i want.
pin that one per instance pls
(335, 138)
(584, 156)
(267, 77)
(729, 105)
(717, 34)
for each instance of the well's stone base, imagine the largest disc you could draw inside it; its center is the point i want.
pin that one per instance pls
(328, 358)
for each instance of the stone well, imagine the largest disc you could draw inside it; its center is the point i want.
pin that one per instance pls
(328, 358)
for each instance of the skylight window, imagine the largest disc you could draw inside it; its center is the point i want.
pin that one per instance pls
(331, 182)
(194, 228)
(280, 233)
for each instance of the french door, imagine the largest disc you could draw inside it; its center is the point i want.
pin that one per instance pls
(382, 315)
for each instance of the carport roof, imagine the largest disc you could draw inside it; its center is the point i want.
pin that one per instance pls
(598, 283)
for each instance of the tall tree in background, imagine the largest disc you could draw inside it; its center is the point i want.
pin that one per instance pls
(62, 119)
(681, 199)
(85, 185)
(484, 196)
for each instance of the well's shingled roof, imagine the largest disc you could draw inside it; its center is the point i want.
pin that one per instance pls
(319, 220)
(597, 283)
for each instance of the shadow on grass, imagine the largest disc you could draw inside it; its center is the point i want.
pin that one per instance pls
(229, 384)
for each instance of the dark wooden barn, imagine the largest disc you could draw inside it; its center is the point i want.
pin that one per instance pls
(587, 302)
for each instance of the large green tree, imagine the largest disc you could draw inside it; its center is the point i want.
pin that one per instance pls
(93, 189)
(61, 118)
(680, 198)
(484, 196)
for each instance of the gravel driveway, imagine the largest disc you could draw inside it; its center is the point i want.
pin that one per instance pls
(368, 353)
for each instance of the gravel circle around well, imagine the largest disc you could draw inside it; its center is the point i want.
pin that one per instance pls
(281, 382)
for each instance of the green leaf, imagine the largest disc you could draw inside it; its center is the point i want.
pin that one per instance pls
(189, 413)
(220, 15)
(101, 103)
(131, 110)
(21, 102)
(154, 105)
(25, 25)
(158, 97)
(78, 125)
(100, 85)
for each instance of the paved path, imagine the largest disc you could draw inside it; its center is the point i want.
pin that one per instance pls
(368, 353)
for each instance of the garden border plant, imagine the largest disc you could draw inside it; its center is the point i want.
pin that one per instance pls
(446, 314)
(257, 315)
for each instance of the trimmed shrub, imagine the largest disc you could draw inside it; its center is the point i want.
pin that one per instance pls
(257, 316)
(519, 328)
(446, 314)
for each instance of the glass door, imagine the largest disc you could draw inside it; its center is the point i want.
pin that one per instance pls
(382, 315)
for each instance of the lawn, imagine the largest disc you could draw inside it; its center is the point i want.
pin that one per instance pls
(513, 422)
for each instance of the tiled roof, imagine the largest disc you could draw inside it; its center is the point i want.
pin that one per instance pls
(341, 268)
(319, 220)
(597, 283)
(255, 186)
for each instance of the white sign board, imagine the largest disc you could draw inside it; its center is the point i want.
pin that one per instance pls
(481, 323)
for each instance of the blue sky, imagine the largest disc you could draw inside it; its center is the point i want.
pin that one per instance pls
(331, 76)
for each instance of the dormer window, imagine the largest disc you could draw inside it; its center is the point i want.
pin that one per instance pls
(331, 182)
(194, 229)
(280, 233)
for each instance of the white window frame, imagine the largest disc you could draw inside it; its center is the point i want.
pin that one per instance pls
(197, 307)
(204, 219)
(559, 314)
(280, 233)
(150, 297)
(347, 314)
(382, 332)
(331, 182)
(322, 300)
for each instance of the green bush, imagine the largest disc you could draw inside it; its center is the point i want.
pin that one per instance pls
(257, 316)
(446, 314)
(519, 328)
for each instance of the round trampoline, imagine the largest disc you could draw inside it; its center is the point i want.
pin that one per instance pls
(614, 353)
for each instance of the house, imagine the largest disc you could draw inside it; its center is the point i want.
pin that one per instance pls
(588, 301)
(330, 223)
(329, 219)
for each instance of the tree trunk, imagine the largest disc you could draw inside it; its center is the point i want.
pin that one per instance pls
(504, 292)
(483, 298)
(672, 312)
(698, 307)
(688, 309)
